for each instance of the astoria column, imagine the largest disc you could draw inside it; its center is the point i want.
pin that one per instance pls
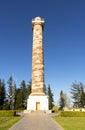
(37, 57)
(37, 99)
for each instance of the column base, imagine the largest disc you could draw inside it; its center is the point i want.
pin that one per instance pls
(37, 103)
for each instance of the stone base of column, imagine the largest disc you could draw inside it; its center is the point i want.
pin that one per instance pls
(37, 103)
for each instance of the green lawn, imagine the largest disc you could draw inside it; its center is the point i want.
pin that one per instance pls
(71, 123)
(7, 122)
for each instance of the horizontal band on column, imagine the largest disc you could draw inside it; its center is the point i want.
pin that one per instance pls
(36, 87)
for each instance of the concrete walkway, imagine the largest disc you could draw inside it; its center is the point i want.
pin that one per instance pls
(36, 121)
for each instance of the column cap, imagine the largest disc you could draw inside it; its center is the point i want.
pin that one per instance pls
(38, 21)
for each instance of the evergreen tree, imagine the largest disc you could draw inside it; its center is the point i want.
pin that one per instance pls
(50, 98)
(23, 91)
(83, 100)
(22, 94)
(18, 99)
(45, 89)
(2, 93)
(11, 93)
(29, 88)
(78, 94)
(6, 105)
(82, 96)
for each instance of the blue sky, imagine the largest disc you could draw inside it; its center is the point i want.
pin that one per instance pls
(64, 41)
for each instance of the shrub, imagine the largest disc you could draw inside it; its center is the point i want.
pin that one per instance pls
(71, 114)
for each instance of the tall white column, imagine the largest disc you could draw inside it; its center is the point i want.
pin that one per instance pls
(37, 99)
(37, 57)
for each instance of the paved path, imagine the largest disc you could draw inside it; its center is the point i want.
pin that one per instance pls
(36, 121)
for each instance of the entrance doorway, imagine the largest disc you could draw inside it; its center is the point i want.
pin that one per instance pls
(37, 105)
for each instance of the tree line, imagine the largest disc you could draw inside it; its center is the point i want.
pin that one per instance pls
(15, 98)
(77, 91)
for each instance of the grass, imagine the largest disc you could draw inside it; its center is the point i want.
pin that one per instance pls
(7, 122)
(71, 123)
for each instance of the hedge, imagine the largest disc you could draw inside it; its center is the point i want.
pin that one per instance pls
(8, 113)
(71, 114)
